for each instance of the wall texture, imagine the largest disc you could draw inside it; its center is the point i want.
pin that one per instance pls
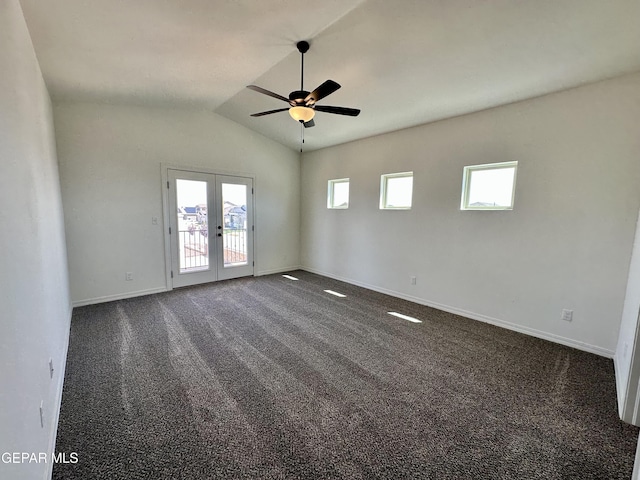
(110, 167)
(567, 243)
(35, 306)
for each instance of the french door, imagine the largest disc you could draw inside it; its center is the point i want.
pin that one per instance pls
(211, 227)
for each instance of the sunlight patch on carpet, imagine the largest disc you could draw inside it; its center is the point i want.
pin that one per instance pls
(331, 292)
(405, 317)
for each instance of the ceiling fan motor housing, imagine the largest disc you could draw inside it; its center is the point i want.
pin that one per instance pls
(298, 96)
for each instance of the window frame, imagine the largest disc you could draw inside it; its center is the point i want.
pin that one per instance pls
(383, 190)
(330, 193)
(466, 184)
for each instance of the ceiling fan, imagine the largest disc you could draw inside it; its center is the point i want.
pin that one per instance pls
(303, 105)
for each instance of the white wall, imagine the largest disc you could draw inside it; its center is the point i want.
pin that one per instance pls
(567, 243)
(35, 306)
(628, 350)
(110, 159)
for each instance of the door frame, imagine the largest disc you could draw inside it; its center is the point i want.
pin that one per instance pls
(164, 174)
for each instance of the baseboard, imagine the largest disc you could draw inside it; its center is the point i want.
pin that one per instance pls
(139, 293)
(277, 270)
(58, 400)
(119, 296)
(475, 316)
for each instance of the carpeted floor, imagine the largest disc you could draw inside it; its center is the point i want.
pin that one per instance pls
(269, 378)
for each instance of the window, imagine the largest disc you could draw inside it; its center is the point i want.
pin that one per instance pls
(489, 187)
(338, 193)
(396, 190)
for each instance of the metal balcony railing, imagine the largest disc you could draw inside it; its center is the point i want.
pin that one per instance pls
(234, 245)
(194, 247)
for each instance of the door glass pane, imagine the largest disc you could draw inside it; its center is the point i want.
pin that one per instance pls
(193, 225)
(234, 234)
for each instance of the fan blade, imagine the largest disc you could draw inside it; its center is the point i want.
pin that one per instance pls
(352, 112)
(309, 124)
(326, 89)
(269, 112)
(258, 89)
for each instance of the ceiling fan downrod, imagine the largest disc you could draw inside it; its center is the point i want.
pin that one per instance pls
(303, 47)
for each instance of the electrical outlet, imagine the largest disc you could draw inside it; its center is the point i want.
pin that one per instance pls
(129, 276)
(51, 367)
(567, 315)
(413, 280)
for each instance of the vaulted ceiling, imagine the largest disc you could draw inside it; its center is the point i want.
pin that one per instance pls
(403, 62)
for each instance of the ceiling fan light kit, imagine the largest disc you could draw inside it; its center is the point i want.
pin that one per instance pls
(302, 114)
(303, 104)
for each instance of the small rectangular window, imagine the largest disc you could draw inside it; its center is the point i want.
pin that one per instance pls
(338, 193)
(489, 187)
(396, 190)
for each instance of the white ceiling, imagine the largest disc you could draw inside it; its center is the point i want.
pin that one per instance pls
(402, 62)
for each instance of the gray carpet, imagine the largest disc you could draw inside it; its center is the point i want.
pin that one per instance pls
(268, 378)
